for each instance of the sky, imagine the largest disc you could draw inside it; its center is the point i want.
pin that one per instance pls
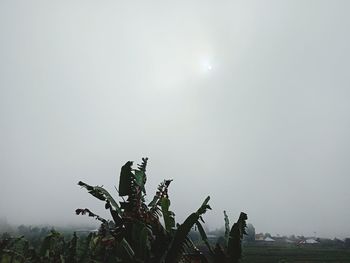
(245, 101)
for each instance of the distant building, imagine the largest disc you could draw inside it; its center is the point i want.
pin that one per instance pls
(259, 237)
(311, 241)
(308, 241)
(269, 239)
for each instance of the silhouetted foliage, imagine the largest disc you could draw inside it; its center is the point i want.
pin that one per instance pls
(133, 234)
(136, 234)
(232, 250)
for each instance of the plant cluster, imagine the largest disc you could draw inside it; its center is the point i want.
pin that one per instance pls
(135, 233)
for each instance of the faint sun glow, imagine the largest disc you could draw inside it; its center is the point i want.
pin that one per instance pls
(206, 65)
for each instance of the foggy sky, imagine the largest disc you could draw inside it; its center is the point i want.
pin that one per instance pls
(87, 85)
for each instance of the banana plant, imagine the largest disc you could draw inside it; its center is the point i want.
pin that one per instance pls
(53, 249)
(232, 251)
(135, 233)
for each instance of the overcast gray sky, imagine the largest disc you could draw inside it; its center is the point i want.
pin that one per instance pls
(245, 101)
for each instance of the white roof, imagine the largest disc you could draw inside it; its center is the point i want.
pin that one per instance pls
(311, 241)
(269, 239)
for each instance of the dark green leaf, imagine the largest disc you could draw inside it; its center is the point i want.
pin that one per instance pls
(168, 216)
(125, 179)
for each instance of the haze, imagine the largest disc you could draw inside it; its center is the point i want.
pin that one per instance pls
(245, 101)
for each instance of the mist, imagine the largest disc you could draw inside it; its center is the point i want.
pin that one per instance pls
(245, 101)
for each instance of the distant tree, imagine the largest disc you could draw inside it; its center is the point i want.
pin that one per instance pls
(5, 226)
(347, 242)
(250, 237)
(267, 235)
(292, 237)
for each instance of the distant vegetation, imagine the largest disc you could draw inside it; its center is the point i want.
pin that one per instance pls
(140, 232)
(133, 234)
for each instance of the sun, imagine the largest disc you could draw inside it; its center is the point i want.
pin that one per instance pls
(206, 65)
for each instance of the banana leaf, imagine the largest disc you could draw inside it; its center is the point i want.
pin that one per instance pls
(175, 250)
(227, 228)
(125, 179)
(168, 216)
(140, 179)
(204, 237)
(127, 248)
(234, 248)
(102, 194)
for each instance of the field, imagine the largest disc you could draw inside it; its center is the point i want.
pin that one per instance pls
(293, 253)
